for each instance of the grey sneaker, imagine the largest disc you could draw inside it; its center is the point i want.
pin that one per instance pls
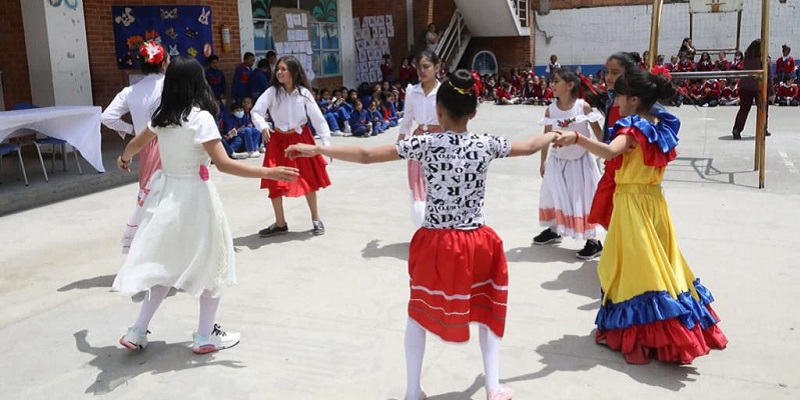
(319, 228)
(217, 340)
(133, 339)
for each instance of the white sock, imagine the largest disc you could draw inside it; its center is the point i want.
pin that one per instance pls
(490, 350)
(415, 351)
(417, 212)
(150, 304)
(208, 314)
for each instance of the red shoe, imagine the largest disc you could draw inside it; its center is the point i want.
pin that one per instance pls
(504, 394)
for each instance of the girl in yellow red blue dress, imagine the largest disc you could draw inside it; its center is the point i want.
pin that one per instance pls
(456, 263)
(652, 306)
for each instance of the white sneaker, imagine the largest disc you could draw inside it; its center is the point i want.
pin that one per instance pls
(262, 149)
(217, 340)
(346, 128)
(337, 133)
(254, 154)
(133, 339)
(239, 156)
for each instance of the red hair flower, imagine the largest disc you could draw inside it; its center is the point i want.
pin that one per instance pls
(661, 70)
(152, 52)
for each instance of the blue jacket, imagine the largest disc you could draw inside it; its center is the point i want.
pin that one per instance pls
(358, 119)
(258, 83)
(231, 122)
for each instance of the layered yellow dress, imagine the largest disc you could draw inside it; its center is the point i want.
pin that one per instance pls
(652, 306)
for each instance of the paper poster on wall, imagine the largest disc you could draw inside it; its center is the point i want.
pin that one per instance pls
(371, 44)
(382, 32)
(390, 31)
(182, 30)
(356, 23)
(389, 20)
(379, 21)
(291, 34)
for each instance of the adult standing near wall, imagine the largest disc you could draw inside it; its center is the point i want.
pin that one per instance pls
(141, 101)
(748, 89)
(432, 38)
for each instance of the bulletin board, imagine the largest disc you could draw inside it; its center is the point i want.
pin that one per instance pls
(182, 30)
(372, 34)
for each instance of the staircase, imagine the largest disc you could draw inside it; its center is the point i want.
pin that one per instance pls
(454, 41)
(486, 18)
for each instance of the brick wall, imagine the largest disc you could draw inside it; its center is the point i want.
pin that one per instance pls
(107, 79)
(426, 11)
(13, 57)
(511, 52)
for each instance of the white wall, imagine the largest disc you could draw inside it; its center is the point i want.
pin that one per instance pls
(590, 35)
(246, 43)
(58, 55)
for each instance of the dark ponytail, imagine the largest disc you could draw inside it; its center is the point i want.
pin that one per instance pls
(457, 95)
(647, 87)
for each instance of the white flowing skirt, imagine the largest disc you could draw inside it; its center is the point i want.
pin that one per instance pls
(566, 197)
(183, 240)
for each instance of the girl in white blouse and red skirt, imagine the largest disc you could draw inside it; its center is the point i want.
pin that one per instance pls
(456, 264)
(291, 105)
(420, 107)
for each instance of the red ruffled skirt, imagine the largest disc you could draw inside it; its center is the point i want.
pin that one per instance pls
(312, 169)
(458, 277)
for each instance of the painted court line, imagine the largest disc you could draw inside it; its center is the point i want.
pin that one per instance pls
(786, 161)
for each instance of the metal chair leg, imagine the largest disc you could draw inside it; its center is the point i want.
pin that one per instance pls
(64, 155)
(22, 166)
(77, 161)
(41, 160)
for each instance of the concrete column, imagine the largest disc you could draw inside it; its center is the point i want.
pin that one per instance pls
(246, 38)
(58, 55)
(347, 42)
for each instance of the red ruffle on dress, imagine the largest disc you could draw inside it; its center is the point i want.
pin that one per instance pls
(458, 277)
(312, 169)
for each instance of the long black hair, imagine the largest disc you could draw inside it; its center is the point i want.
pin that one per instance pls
(598, 98)
(185, 87)
(457, 95)
(753, 50)
(431, 56)
(647, 87)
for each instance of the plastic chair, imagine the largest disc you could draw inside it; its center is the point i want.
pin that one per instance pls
(47, 140)
(7, 148)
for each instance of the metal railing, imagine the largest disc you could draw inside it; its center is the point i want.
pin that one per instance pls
(454, 37)
(522, 10)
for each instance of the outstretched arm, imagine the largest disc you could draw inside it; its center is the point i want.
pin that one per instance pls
(532, 145)
(225, 164)
(356, 154)
(619, 145)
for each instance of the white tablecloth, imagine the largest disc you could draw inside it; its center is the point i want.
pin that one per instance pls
(78, 125)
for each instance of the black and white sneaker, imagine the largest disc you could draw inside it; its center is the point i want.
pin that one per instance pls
(273, 230)
(547, 237)
(319, 228)
(592, 249)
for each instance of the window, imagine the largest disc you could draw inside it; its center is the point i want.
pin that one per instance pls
(485, 63)
(324, 30)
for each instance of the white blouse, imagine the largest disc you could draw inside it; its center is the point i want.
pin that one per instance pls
(140, 99)
(290, 112)
(420, 108)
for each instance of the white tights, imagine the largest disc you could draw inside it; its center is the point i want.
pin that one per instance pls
(415, 351)
(156, 294)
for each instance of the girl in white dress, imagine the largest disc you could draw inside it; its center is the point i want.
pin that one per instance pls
(420, 107)
(570, 173)
(184, 240)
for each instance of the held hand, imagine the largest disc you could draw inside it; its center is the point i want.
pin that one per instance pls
(564, 138)
(301, 150)
(266, 134)
(286, 174)
(122, 165)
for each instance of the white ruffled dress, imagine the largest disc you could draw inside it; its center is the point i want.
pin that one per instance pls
(183, 240)
(570, 178)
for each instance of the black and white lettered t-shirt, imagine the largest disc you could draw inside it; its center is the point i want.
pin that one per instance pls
(454, 166)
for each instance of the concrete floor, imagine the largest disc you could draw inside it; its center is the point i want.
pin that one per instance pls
(323, 317)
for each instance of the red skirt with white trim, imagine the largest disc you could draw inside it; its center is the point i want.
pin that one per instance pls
(458, 277)
(312, 177)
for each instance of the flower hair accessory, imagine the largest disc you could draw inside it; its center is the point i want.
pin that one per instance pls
(152, 52)
(459, 90)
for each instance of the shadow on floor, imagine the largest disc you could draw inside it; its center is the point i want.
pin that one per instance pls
(373, 249)
(706, 172)
(118, 365)
(573, 353)
(255, 242)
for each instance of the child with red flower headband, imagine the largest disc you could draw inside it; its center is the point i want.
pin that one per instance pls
(140, 100)
(184, 240)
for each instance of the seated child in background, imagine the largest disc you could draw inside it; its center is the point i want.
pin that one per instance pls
(389, 110)
(503, 95)
(376, 117)
(787, 92)
(324, 103)
(240, 133)
(359, 120)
